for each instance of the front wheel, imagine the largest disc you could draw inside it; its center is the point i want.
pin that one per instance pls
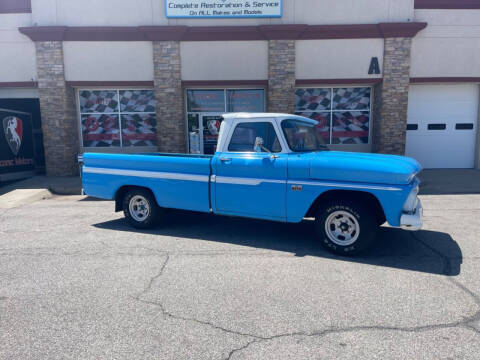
(140, 208)
(345, 227)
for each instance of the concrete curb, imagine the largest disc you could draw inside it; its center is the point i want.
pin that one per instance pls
(37, 188)
(20, 197)
(61, 185)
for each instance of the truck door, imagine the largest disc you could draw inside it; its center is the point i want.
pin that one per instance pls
(251, 183)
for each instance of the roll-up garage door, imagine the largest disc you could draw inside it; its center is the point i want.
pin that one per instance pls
(442, 125)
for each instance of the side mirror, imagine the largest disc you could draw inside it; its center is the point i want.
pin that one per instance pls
(258, 144)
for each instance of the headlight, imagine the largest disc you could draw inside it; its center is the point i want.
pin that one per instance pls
(412, 200)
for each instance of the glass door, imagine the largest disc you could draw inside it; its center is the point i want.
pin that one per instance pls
(210, 129)
(203, 129)
(204, 110)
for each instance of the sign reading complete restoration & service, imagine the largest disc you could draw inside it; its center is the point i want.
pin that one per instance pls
(222, 8)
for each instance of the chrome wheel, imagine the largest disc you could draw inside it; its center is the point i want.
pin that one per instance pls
(342, 228)
(139, 208)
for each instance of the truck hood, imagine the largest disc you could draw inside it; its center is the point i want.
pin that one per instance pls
(362, 167)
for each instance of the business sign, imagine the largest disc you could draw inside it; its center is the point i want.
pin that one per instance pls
(223, 8)
(16, 142)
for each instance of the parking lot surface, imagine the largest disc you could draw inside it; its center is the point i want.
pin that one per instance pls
(77, 283)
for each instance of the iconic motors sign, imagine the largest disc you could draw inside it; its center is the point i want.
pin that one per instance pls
(222, 8)
(16, 142)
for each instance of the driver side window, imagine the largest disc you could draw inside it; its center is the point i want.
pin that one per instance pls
(243, 138)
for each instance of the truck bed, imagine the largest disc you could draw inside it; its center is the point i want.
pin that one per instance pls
(177, 180)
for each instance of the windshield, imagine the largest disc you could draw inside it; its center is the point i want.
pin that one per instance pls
(302, 136)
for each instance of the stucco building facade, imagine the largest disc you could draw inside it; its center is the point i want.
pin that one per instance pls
(388, 76)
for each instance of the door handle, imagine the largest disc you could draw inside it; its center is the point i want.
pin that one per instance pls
(224, 159)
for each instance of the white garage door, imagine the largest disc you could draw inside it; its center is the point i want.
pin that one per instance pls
(442, 125)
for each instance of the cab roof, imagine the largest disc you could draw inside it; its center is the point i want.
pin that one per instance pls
(277, 116)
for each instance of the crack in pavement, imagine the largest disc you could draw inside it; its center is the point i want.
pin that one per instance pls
(166, 313)
(467, 322)
(341, 330)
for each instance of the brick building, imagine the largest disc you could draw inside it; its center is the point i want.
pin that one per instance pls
(384, 76)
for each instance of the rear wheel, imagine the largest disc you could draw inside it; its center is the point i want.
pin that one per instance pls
(140, 208)
(345, 227)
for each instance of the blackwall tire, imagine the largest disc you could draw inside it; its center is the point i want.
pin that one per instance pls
(140, 209)
(345, 227)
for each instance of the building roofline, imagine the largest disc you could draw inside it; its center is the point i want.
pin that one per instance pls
(15, 7)
(447, 4)
(222, 33)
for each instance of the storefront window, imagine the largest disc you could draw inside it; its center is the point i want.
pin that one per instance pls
(205, 100)
(245, 101)
(118, 118)
(343, 113)
(204, 110)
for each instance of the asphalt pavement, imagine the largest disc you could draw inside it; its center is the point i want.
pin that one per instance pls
(77, 283)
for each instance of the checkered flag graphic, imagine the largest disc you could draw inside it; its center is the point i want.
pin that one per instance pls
(98, 101)
(139, 130)
(137, 101)
(351, 98)
(100, 130)
(350, 127)
(312, 99)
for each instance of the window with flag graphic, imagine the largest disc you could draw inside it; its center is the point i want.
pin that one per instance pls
(118, 118)
(343, 113)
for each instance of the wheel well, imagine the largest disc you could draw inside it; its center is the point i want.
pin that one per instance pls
(120, 194)
(361, 196)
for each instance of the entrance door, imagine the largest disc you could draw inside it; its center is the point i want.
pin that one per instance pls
(204, 110)
(203, 129)
(442, 125)
(210, 125)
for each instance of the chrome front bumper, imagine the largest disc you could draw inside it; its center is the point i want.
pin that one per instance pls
(413, 221)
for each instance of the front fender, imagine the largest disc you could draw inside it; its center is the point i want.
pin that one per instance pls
(301, 195)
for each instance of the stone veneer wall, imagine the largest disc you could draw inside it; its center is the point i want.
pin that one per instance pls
(281, 76)
(391, 98)
(57, 106)
(169, 96)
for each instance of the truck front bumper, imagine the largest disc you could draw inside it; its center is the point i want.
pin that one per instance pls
(413, 221)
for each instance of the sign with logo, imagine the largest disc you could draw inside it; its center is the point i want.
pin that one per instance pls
(16, 142)
(223, 8)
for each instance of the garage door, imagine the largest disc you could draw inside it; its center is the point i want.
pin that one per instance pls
(442, 125)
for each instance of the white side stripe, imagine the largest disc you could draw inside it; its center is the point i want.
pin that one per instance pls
(227, 180)
(148, 174)
(340, 185)
(246, 181)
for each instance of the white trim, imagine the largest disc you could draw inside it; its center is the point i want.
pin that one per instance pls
(227, 179)
(246, 181)
(236, 122)
(343, 185)
(148, 174)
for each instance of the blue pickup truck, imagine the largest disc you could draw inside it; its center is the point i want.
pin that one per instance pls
(267, 166)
